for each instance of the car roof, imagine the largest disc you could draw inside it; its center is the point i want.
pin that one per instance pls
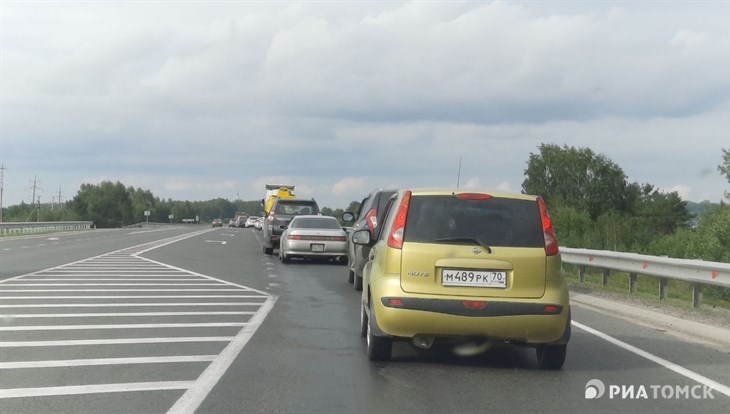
(454, 190)
(295, 201)
(314, 216)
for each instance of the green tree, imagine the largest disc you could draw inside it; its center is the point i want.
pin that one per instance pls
(724, 168)
(353, 207)
(577, 177)
(106, 204)
(661, 213)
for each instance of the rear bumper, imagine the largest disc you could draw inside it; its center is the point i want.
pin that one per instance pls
(518, 320)
(304, 248)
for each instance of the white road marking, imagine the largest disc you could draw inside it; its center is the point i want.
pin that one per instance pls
(129, 297)
(94, 389)
(112, 284)
(136, 304)
(121, 268)
(194, 396)
(120, 290)
(106, 361)
(125, 341)
(122, 314)
(661, 361)
(109, 279)
(121, 326)
(216, 241)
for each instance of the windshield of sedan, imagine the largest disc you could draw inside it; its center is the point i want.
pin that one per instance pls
(315, 223)
(496, 221)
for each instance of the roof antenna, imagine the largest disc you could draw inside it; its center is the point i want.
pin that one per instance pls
(458, 175)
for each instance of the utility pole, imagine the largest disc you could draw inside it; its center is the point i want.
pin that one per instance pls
(2, 177)
(458, 174)
(33, 199)
(55, 200)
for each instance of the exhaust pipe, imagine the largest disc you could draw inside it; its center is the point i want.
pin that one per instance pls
(423, 341)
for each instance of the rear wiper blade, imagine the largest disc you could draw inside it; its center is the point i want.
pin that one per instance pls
(465, 239)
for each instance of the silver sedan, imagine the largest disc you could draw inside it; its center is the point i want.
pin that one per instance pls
(313, 237)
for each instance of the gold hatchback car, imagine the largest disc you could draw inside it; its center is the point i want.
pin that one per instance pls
(456, 267)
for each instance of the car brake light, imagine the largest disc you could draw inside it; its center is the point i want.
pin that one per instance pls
(551, 242)
(395, 240)
(371, 219)
(474, 304)
(474, 196)
(396, 302)
(551, 309)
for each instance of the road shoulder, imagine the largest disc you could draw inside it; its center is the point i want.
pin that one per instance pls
(709, 327)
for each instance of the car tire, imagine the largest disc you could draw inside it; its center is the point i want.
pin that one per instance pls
(551, 357)
(363, 322)
(283, 258)
(268, 250)
(350, 275)
(357, 283)
(380, 348)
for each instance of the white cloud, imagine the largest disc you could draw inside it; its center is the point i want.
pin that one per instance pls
(683, 191)
(349, 186)
(689, 39)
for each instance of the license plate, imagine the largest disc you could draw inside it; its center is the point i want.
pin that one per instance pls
(317, 247)
(472, 278)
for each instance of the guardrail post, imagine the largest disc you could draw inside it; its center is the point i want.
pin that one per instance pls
(696, 295)
(663, 287)
(606, 274)
(632, 283)
(582, 273)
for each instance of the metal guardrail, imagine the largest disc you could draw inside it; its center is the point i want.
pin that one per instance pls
(696, 272)
(43, 226)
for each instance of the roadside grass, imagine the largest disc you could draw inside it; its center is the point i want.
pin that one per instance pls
(679, 293)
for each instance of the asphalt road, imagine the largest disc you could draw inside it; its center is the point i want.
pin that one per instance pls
(287, 342)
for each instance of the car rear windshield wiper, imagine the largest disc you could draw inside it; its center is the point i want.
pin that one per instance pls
(465, 239)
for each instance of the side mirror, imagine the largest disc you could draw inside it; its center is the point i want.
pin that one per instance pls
(362, 237)
(348, 217)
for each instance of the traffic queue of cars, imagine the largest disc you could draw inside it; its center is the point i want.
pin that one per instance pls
(454, 268)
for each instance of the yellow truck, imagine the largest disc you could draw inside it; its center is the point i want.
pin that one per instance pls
(274, 192)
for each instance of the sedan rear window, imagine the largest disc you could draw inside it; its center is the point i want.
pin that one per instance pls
(315, 223)
(296, 208)
(495, 221)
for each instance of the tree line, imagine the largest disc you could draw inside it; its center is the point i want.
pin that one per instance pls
(592, 203)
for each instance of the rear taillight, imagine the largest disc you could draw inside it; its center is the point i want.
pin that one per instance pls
(371, 219)
(551, 242)
(395, 239)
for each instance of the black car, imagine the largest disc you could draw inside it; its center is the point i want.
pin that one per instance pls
(282, 212)
(370, 217)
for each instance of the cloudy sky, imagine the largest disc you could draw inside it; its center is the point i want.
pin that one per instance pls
(199, 100)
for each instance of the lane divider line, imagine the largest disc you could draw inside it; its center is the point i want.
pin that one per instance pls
(661, 361)
(194, 396)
